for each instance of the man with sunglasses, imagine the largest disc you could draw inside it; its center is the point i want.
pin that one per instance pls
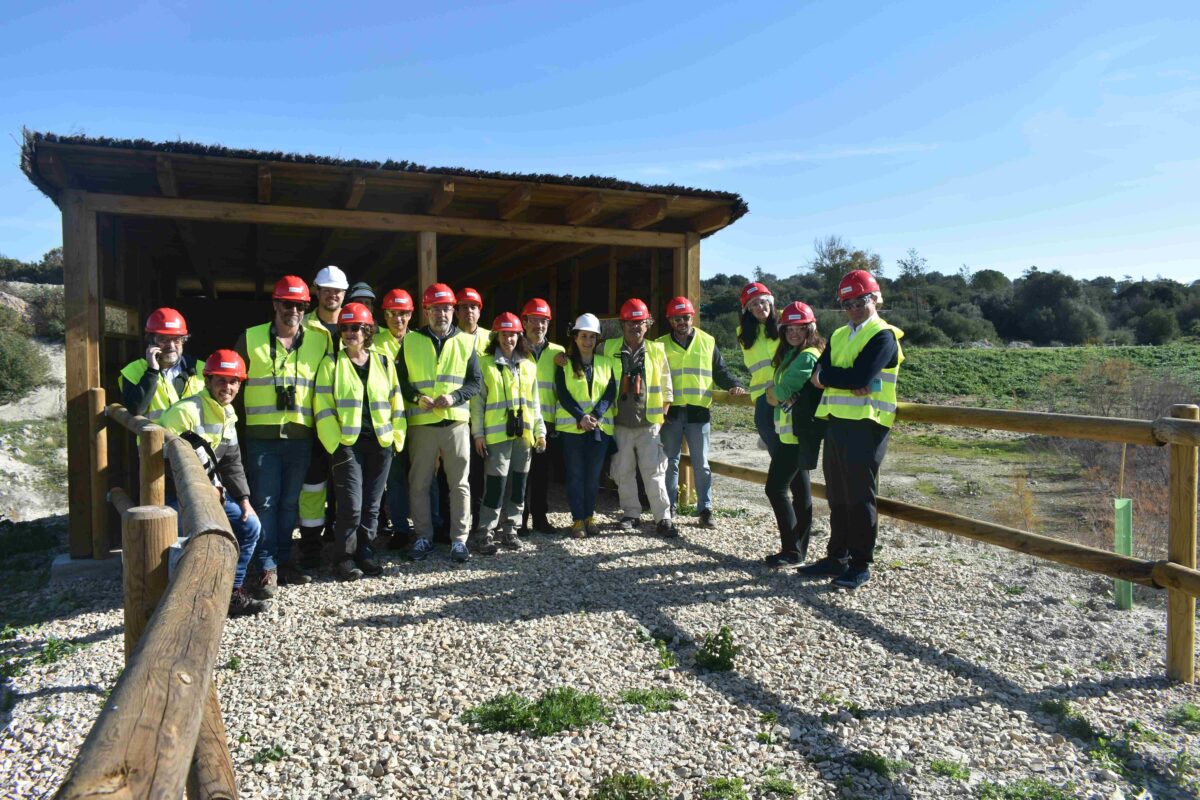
(151, 385)
(858, 372)
(282, 357)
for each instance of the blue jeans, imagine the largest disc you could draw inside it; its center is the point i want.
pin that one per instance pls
(397, 493)
(764, 421)
(583, 456)
(276, 469)
(247, 534)
(673, 433)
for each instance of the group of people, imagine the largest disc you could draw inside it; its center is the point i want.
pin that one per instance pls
(452, 425)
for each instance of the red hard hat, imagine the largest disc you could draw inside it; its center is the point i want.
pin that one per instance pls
(397, 300)
(352, 313)
(856, 283)
(634, 310)
(678, 306)
(438, 294)
(166, 321)
(292, 288)
(537, 307)
(470, 296)
(797, 313)
(227, 363)
(507, 322)
(753, 290)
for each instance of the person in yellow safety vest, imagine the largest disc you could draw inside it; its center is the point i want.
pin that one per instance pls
(507, 425)
(794, 399)
(397, 312)
(150, 385)
(758, 336)
(208, 422)
(585, 386)
(282, 357)
(439, 374)
(643, 398)
(536, 316)
(467, 311)
(696, 366)
(360, 422)
(316, 517)
(858, 373)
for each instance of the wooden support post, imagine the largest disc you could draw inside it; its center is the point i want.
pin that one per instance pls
(427, 268)
(656, 290)
(99, 457)
(691, 250)
(1181, 549)
(687, 479)
(576, 278)
(147, 533)
(211, 776)
(154, 477)
(81, 271)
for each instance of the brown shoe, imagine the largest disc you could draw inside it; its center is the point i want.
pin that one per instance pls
(241, 604)
(290, 576)
(265, 584)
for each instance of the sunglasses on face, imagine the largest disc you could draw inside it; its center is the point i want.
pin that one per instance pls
(288, 305)
(858, 302)
(355, 328)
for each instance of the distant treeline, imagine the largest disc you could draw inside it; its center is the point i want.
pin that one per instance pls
(941, 309)
(47, 270)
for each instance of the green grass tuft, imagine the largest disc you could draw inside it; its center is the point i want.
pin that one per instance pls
(1026, 789)
(718, 651)
(653, 700)
(556, 710)
(276, 753)
(1186, 716)
(725, 789)
(949, 769)
(631, 786)
(882, 765)
(1070, 721)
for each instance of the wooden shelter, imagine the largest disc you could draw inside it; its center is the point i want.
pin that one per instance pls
(209, 230)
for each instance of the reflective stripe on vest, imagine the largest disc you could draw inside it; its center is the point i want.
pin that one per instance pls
(203, 416)
(653, 366)
(603, 370)
(338, 402)
(879, 405)
(164, 390)
(503, 392)
(434, 375)
(784, 425)
(758, 361)
(297, 368)
(691, 369)
(545, 376)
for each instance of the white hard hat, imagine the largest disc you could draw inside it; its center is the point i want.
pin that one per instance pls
(587, 322)
(331, 277)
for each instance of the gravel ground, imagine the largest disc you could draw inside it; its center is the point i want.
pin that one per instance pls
(356, 690)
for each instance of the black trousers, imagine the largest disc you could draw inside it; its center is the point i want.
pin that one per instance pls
(854, 450)
(790, 495)
(537, 502)
(360, 473)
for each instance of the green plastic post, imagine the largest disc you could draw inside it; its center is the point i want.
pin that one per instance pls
(1123, 544)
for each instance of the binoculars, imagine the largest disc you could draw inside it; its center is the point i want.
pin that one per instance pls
(285, 398)
(514, 424)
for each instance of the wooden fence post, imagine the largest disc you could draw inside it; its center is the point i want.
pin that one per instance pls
(99, 459)
(686, 478)
(154, 476)
(1181, 549)
(147, 533)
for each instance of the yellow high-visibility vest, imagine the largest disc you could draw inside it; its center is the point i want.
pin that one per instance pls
(338, 402)
(654, 388)
(545, 375)
(691, 369)
(311, 320)
(758, 360)
(603, 370)
(434, 375)
(880, 404)
(164, 395)
(505, 391)
(204, 416)
(482, 340)
(297, 368)
(783, 420)
(386, 343)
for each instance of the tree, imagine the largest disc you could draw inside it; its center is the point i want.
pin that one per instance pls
(833, 258)
(1157, 327)
(913, 265)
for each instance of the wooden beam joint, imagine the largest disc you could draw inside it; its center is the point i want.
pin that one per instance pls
(584, 208)
(514, 203)
(440, 198)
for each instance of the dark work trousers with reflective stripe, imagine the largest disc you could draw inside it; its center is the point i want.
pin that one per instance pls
(537, 504)
(854, 449)
(360, 473)
(793, 515)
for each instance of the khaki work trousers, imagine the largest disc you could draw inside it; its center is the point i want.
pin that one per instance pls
(424, 443)
(641, 450)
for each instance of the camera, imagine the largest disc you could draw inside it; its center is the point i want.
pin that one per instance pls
(513, 424)
(285, 398)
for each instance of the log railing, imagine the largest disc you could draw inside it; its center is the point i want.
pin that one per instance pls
(1176, 573)
(160, 731)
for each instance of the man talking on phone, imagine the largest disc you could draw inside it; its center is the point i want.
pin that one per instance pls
(151, 385)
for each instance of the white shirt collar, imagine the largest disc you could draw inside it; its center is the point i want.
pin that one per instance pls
(856, 328)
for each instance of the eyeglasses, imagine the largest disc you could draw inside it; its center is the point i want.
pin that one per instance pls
(858, 302)
(170, 341)
(288, 305)
(355, 328)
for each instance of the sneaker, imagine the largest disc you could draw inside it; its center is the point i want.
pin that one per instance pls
(290, 576)
(346, 571)
(543, 525)
(628, 523)
(242, 604)
(827, 567)
(666, 527)
(853, 577)
(591, 527)
(265, 584)
(509, 540)
(706, 518)
(421, 549)
(459, 552)
(368, 566)
(578, 529)
(779, 560)
(485, 544)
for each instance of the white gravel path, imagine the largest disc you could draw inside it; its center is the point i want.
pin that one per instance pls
(947, 653)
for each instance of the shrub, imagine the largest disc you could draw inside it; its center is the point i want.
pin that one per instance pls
(1026, 789)
(949, 769)
(22, 367)
(725, 789)
(11, 320)
(882, 765)
(49, 314)
(926, 335)
(631, 786)
(717, 652)
(1157, 326)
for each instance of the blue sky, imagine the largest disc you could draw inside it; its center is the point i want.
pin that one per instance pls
(1061, 134)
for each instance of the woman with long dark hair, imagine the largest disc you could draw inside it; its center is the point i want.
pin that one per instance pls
(794, 399)
(757, 334)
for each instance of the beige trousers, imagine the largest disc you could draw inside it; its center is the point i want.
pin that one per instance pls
(424, 444)
(641, 449)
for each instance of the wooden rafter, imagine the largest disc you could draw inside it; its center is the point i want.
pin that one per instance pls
(710, 220)
(649, 213)
(399, 245)
(441, 197)
(584, 208)
(168, 185)
(514, 203)
(355, 190)
(264, 183)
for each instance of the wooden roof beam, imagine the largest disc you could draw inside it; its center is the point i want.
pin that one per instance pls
(264, 183)
(166, 176)
(441, 197)
(391, 256)
(711, 220)
(505, 251)
(649, 213)
(355, 190)
(169, 186)
(584, 208)
(514, 203)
